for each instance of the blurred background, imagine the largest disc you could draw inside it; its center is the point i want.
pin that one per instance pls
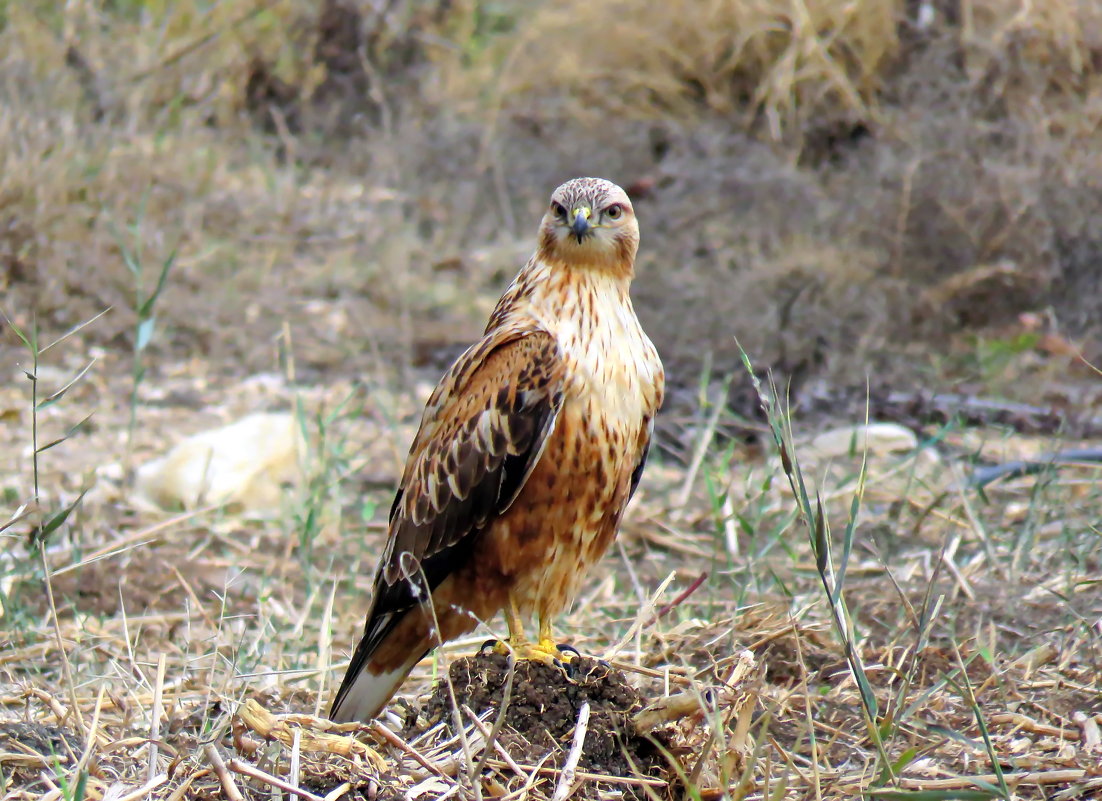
(898, 191)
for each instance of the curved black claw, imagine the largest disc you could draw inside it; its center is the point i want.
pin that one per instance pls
(569, 669)
(567, 648)
(488, 647)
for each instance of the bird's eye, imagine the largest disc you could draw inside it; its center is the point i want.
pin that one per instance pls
(558, 210)
(614, 211)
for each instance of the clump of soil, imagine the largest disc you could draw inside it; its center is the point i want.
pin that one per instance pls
(55, 745)
(543, 711)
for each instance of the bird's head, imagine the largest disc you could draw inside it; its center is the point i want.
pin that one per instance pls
(590, 223)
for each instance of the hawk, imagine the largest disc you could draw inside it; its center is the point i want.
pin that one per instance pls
(528, 451)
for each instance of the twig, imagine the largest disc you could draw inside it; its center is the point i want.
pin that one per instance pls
(730, 531)
(90, 743)
(813, 741)
(566, 779)
(224, 777)
(449, 766)
(13, 759)
(1092, 737)
(1029, 724)
(317, 734)
(1012, 779)
(393, 739)
(1079, 791)
(630, 569)
(185, 785)
(680, 599)
(488, 734)
(640, 619)
(982, 476)
(147, 788)
(245, 769)
(325, 647)
(457, 716)
(531, 777)
(196, 603)
(22, 513)
(155, 724)
(338, 791)
(669, 674)
(581, 774)
(55, 706)
(133, 539)
(296, 758)
(66, 669)
(1035, 658)
(671, 707)
(701, 451)
(198, 43)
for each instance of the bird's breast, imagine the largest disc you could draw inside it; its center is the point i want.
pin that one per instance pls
(570, 507)
(613, 369)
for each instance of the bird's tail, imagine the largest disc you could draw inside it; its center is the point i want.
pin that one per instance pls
(363, 694)
(397, 635)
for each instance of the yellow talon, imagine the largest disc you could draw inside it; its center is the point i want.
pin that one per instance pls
(544, 650)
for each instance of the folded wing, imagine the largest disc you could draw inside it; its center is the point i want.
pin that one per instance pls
(482, 433)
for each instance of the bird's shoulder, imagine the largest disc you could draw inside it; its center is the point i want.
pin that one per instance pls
(489, 371)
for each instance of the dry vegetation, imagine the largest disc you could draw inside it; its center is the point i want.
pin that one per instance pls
(893, 194)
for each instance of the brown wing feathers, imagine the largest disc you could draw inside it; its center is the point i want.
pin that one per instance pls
(478, 442)
(476, 453)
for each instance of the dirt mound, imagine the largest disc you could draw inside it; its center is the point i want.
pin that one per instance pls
(542, 712)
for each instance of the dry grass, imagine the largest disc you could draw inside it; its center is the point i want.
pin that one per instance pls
(852, 189)
(1048, 46)
(783, 67)
(781, 63)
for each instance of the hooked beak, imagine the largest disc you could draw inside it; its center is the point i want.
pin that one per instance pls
(580, 226)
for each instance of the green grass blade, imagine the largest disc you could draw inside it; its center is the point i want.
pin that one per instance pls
(54, 398)
(71, 432)
(39, 534)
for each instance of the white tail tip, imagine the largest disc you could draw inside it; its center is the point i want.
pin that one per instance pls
(368, 695)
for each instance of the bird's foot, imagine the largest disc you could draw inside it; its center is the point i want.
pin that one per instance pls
(546, 652)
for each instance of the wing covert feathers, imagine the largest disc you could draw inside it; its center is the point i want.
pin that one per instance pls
(476, 446)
